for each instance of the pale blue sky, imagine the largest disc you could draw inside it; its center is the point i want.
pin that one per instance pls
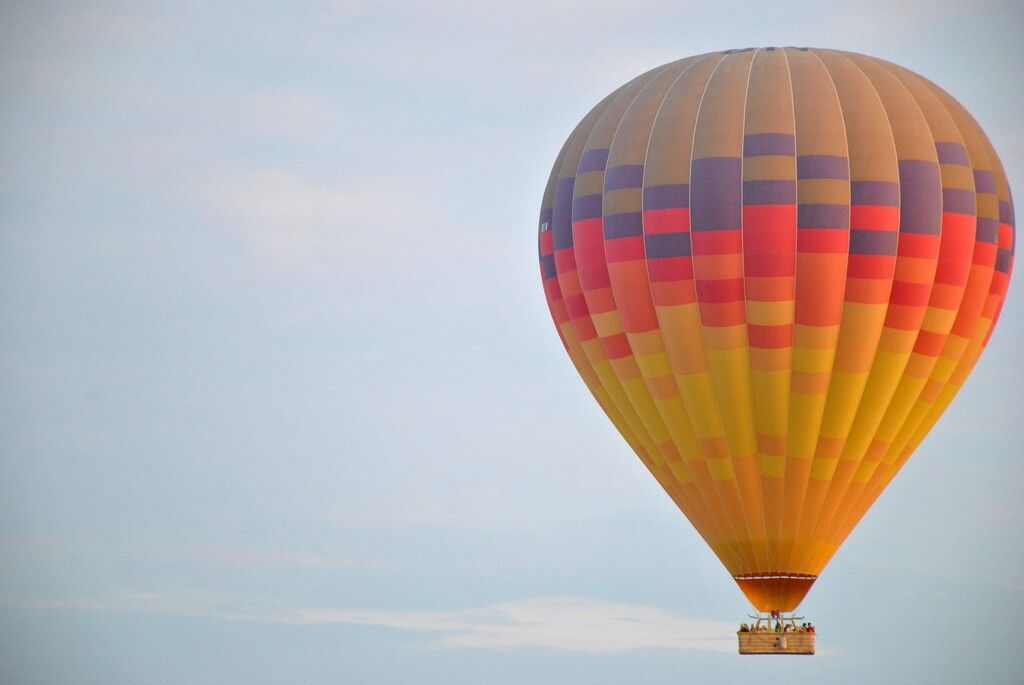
(282, 401)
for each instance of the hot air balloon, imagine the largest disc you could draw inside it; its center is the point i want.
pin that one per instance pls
(774, 268)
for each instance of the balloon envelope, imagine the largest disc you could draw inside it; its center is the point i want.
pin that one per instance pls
(774, 269)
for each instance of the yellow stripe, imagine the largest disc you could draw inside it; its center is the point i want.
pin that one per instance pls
(937, 320)
(772, 465)
(654, 366)
(721, 469)
(696, 388)
(722, 338)
(824, 191)
(844, 394)
(769, 313)
(607, 323)
(823, 469)
(812, 361)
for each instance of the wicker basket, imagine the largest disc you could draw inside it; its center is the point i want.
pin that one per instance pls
(776, 643)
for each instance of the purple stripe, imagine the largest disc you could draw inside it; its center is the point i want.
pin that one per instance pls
(670, 196)
(1006, 213)
(1003, 260)
(822, 166)
(920, 197)
(593, 160)
(663, 245)
(771, 192)
(715, 189)
(952, 153)
(988, 230)
(561, 215)
(586, 207)
(624, 176)
(884, 193)
(958, 200)
(984, 181)
(874, 242)
(545, 216)
(823, 216)
(623, 225)
(761, 144)
(547, 266)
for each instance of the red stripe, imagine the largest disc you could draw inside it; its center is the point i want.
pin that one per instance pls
(589, 245)
(716, 242)
(779, 219)
(871, 266)
(616, 346)
(1000, 281)
(546, 242)
(910, 294)
(985, 254)
(955, 248)
(587, 227)
(670, 269)
(965, 222)
(720, 291)
(953, 271)
(874, 217)
(666, 220)
(929, 344)
(552, 291)
(585, 330)
(823, 240)
(769, 265)
(769, 240)
(576, 305)
(1005, 235)
(624, 249)
(918, 245)
(770, 337)
(565, 260)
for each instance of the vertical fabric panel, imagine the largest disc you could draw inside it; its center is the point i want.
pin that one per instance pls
(823, 219)
(769, 270)
(716, 186)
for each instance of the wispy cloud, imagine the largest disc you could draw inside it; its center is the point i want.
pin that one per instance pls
(287, 215)
(570, 624)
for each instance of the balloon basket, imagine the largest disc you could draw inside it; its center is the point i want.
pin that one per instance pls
(776, 633)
